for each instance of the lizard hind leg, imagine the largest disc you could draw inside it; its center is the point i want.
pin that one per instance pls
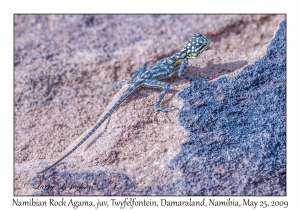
(162, 85)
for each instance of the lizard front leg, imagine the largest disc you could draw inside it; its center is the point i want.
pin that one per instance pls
(183, 67)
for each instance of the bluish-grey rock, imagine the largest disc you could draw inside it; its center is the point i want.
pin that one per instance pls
(237, 142)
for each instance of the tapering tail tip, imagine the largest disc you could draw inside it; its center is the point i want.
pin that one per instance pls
(46, 169)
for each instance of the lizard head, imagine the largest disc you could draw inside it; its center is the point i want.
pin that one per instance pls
(196, 45)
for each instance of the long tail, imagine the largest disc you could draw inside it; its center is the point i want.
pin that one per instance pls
(128, 92)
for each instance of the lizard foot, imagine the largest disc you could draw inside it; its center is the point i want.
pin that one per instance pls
(116, 85)
(206, 78)
(190, 80)
(165, 110)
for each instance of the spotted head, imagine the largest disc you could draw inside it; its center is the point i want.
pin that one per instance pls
(195, 46)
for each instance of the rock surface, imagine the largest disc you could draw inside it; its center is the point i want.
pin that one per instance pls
(65, 66)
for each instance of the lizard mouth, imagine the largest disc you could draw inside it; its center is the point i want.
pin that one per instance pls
(202, 49)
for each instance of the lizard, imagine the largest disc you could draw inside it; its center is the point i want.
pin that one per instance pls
(150, 77)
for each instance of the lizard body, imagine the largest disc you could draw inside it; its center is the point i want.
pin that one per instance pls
(150, 77)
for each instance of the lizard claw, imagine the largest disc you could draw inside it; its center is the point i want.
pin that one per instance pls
(116, 85)
(165, 113)
(165, 110)
(167, 116)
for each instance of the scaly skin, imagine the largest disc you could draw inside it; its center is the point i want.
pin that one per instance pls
(150, 77)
